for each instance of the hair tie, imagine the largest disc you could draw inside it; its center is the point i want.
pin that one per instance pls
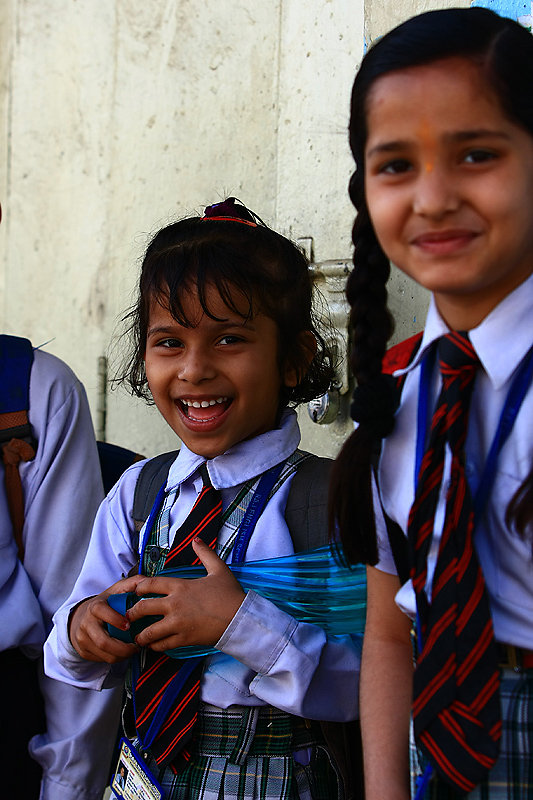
(227, 211)
(374, 405)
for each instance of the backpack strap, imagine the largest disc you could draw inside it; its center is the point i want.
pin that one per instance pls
(16, 436)
(151, 477)
(306, 511)
(16, 359)
(398, 357)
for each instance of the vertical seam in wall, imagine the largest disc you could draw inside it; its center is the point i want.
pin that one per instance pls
(277, 93)
(13, 48)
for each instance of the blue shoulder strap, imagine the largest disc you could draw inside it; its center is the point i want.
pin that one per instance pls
(16, 359)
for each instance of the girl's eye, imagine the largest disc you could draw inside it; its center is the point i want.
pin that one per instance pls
(479, 156)
(169, 343)
(230, 339)
(395, 166)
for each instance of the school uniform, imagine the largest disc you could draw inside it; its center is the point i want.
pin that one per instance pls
(501, 342)
(62, 489)
(267, 659)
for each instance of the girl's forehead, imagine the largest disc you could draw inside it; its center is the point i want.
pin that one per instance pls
(192, 300)
(427, 99)
(415, 79)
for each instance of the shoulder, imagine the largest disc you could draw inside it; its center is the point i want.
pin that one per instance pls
(56, 394)
(52, 382)
(49, 371)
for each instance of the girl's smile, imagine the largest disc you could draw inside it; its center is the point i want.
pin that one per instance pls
(449, 186)
(216, 383)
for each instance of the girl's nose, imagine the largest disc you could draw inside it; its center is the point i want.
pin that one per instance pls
(195, 366)
(435, 194)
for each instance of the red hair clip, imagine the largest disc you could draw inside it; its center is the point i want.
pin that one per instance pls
(227, 211)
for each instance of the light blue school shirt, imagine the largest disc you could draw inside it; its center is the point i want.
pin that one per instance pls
(62, 489)
(501, 341)
(267, 657)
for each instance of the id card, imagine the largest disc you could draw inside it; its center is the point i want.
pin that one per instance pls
(132, 780)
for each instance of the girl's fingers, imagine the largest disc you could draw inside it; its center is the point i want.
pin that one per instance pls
(208, 557)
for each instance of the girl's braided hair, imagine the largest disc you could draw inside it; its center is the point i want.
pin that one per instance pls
(503, 50)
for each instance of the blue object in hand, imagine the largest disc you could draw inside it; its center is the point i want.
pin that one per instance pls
(122, 603)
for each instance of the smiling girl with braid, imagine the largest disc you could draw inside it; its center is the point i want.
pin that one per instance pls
(442, 134)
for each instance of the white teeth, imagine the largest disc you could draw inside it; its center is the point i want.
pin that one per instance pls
(204, 403)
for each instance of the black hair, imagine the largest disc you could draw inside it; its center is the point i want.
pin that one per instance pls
(251, 266)
(503, 50)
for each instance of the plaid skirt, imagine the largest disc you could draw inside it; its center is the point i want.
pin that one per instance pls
(511, 778)
(247, 753)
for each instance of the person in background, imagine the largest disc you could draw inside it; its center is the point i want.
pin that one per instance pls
(56, 740)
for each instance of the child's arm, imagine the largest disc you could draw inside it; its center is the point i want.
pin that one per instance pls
(110, 555)
(385, 694)
(86, 626)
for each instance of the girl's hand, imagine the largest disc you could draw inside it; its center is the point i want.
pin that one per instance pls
(86, 625)
(195, 612)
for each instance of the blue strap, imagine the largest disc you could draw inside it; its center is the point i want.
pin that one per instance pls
(426, 369)
(513, 401)
(254, 511)
(16, 359)
(169, 696)
(511, 407)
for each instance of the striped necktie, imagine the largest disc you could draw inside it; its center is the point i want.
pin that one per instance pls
(456, 711)
(167, 689)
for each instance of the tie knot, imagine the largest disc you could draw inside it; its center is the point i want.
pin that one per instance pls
(204, 474)
(456, 355)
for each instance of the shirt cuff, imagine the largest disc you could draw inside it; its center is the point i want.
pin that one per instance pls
(257, 620)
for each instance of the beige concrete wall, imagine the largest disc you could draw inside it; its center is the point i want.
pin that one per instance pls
(117, 117)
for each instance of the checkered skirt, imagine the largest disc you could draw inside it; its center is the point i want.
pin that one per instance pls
(248, 754)
(512, 776)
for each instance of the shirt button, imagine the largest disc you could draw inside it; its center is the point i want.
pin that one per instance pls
(154, 553)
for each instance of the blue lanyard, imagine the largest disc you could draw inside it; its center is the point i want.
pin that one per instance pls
(511, 407)
(254, 511)
(167, 701)
(246, 528)
(513, 401)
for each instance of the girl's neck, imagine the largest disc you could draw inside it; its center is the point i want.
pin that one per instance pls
(465, 312)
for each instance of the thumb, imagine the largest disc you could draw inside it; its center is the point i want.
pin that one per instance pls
(207, 556)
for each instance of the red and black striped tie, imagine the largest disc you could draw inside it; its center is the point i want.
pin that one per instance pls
(456, 709)
(159, 670)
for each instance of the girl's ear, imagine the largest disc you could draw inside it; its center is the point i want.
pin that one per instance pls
(293, 372)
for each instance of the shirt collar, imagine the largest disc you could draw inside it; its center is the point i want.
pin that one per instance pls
(244, 460)
(501, 340)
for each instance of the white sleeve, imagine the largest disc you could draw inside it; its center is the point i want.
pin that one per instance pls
(385, 556)
(63, 485)
(298, 667)
(110, 557)
(76, 749)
